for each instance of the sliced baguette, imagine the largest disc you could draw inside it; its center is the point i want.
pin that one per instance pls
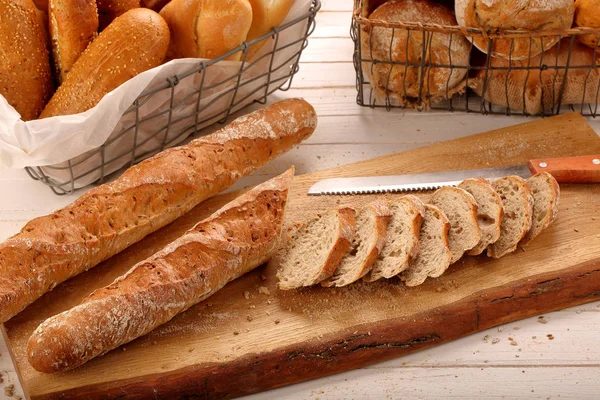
(517, 201)
(402, 240)
(316, 249)
(434, 254)
(460, 208)
(489, 212)
(546, 195)
(371, 230)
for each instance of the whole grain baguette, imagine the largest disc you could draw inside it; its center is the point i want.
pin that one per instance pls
(133, 43)
(25, 78)
(148, 196)
(239, 237)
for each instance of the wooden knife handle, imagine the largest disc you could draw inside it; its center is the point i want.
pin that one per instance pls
(580, 169)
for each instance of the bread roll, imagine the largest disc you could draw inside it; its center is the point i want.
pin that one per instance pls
(155, 5)
(148, 196)
(403, 83)
(236, 239)
(73, 26)
(135, 42)
(534, 91)
(533, 15)
(25, 78)
(266, 14)
(207, 28)
(108, 10)
(587, 14)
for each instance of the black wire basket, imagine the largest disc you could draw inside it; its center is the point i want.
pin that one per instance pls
(140, 135)
(565, 76)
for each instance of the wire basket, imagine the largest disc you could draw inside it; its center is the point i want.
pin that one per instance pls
(564, 77)
(185, 115)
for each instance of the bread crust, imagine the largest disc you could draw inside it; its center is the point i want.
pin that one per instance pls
(25, 78)
(73, 26)
(266, 15)
(239, 237)
(148, 196)
(551, 211)
(587, 14)
(532, 15)
(108, 10)
(140, 36)
(207, 28)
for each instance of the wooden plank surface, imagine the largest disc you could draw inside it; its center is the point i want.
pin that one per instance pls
(298, 335)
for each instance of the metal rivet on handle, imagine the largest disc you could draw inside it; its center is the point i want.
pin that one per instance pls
(596, 161)
(543, 165)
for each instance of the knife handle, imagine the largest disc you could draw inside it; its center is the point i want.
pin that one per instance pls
(580, 169)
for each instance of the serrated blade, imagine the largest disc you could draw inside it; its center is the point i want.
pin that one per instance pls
(412, 182)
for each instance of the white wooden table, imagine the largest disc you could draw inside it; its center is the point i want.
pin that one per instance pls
(484, 365)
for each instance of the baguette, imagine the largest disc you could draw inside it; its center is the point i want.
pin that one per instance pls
(239, 237)
(207, 28)
(109, 10)
(135, 42)
(25, 78)
(148, 196)
(73, 26)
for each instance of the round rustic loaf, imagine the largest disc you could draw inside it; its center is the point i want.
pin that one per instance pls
(587, 13)
(414, 77)
(533, 15)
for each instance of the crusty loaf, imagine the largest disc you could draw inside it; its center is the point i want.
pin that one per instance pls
(587, 14)
(461, 209)
(207, 28)
(148, 196)
(434, 255)
(532, 15)
(108, 10)
(413, 83)
(25, 78)
(266, 15)
(517, 201)
(369, 240)
(511, 85)
(489, 212)
(546, 196)
(98, 71)
(73, 26)
(402, 239)
(239, 237)
(316, 249)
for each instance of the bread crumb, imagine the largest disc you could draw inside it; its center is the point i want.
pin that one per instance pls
(252, 306)
(500, 328)
(514, 343)
(277, 321)
(247, 294)
(550, 336)
(249, 318)
(516, 328)
(576, 230)
(236, 333)
(510, 338)
(485, 338)
(190, 350)
(268, 313)
(495, 340)
(541, 320)
(264, 290)
(534, 337)
(9, 390)
(269, 301)
(1, 378)
(124, 349)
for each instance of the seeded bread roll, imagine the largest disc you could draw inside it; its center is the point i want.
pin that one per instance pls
(316, 249)
(434, 254)
(587, 14)
(532, 15)
(546, 196)
(371, 231)
(239, 237)
(517, 201)
(98, 71)
(399, 81)
(461, 209)
(25, 78)
(207, 28)
(402, 238)
(111, 217)
(489, 212)
(73, 26)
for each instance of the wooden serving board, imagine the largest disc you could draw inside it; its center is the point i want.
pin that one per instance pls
(251, 337)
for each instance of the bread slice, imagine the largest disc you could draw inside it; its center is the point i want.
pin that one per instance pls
(489, 212)
(517, 201)
(546, 195)
(371, 230)
(402, 239)
(434, 253)
(315, 250)
(461, 210)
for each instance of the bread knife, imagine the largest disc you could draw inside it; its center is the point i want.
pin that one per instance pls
(580, 169)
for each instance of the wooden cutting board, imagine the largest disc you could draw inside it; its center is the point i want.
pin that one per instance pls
(250, 337)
